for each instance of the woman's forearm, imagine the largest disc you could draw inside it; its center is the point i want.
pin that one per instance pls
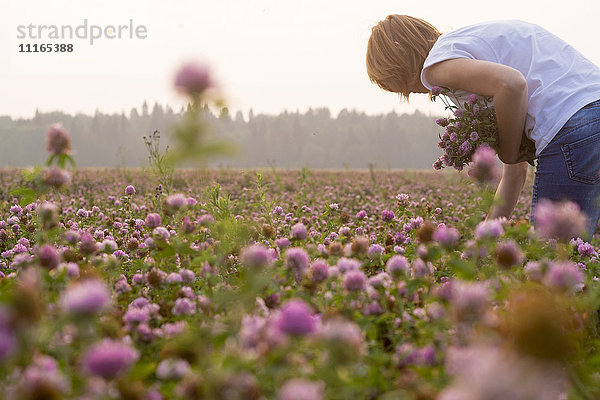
(511, 109)
(509, 190)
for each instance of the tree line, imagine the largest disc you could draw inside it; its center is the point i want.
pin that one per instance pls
(313, 139)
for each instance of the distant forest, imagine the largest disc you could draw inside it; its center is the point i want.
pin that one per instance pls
(313, 139)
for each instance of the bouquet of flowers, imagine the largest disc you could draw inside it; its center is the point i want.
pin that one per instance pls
(473, 124)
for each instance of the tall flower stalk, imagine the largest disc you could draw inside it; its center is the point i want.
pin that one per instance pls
(191, 136)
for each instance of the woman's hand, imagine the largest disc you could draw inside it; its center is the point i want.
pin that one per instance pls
(506, 85)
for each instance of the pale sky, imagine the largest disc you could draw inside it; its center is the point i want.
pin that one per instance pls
(268, 55)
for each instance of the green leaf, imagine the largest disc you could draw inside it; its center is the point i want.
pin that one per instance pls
(61, 161)
(27, 195)
(50, 159)
(21, 191)
(31, 174)
(142, 370)
(462, 268)
(71, 161)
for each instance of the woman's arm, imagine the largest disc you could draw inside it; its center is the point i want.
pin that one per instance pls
(506, 85)
(509, 190)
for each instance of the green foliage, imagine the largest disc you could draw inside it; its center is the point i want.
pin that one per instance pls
(262, 203)
(219, 206)
(231, 299)
(159, 164)
(61, 160)
(34, 184)
(192, 138)
(25, 194)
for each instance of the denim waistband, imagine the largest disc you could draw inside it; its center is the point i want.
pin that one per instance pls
(588, 113)
(592, 104)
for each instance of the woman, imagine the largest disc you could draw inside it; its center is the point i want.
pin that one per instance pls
(540, 85)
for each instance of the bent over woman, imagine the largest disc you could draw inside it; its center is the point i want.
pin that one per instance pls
(541, 87)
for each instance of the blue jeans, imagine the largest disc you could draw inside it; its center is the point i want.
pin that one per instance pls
(569, 167)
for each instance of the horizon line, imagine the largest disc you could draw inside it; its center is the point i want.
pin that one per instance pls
(232, 113)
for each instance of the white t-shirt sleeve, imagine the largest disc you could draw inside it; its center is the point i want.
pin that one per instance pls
(453, 46)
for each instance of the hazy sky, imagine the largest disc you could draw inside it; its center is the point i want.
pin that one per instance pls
(270, 55)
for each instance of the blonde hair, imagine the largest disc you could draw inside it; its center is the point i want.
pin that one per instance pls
(397, 50)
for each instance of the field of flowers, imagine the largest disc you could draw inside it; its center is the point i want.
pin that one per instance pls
(291, 285)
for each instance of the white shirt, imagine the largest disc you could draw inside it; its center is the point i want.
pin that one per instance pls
(560, 80)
